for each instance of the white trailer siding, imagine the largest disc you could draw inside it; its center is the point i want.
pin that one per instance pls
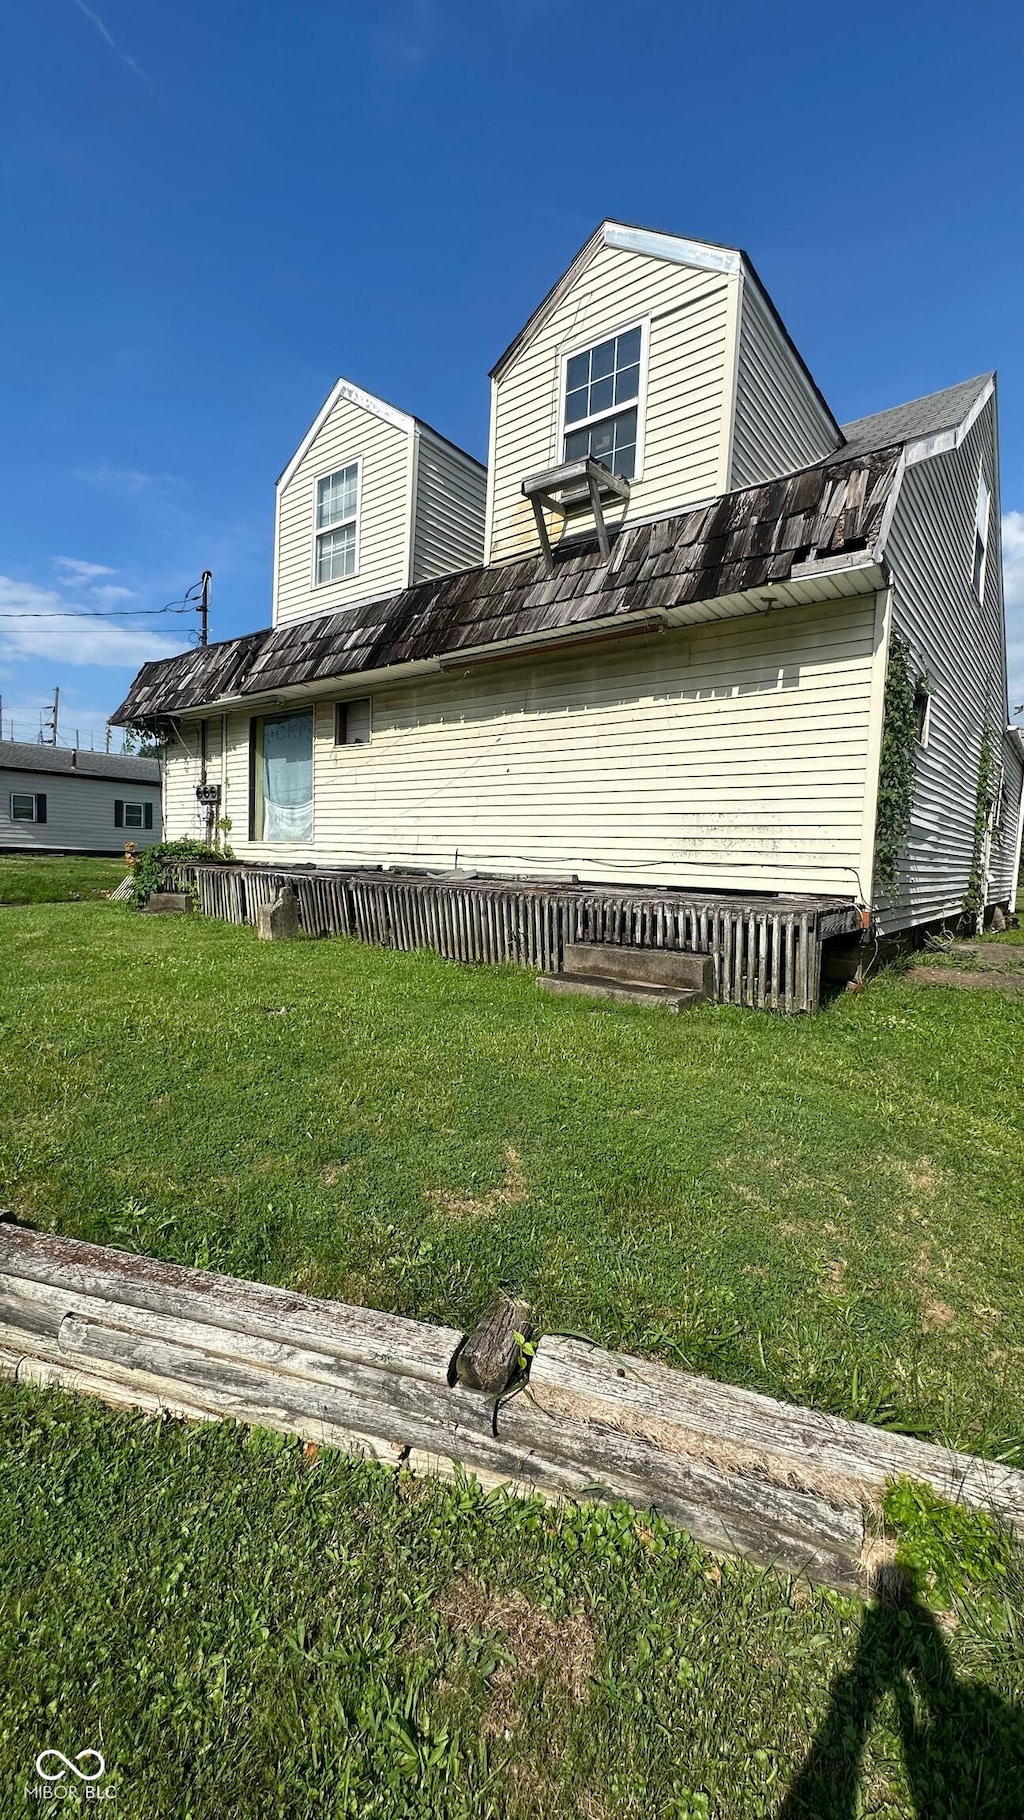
(384, 450)
(448, 513)
(730, 756)
(956, 642)
(80, 814)
(780, 422)
(691, 315)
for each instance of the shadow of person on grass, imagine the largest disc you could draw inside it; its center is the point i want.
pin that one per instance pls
(963, 1746)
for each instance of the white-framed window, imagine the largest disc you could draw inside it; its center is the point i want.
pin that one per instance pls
(922, 714)
(981, 536)
(336, 552)
(132, 815)
(353, 722)
(23, 806)
(602, 401)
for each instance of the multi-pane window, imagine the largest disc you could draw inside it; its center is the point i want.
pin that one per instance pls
(23, 807)
(602, 391)
(337, 509)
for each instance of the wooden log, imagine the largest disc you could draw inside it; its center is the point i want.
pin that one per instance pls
(727, 1511)
(489, 1358)
(848, 1463)
(360, 1334)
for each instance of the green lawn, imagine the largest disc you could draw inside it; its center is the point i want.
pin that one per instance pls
(828, 1209)
(46, 879)
(245, 1628)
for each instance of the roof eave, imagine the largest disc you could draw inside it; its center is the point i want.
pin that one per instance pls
(842, 577)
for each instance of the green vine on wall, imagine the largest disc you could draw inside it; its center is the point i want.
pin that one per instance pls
(897, 766)
(988, 761)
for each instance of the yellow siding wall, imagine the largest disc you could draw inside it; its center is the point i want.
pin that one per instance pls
(692, 318)
(730, 755)
(449, 515)
(385, 452)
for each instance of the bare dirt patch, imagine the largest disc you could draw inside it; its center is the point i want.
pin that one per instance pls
(969, 979)
(560, 1649)
(511, 1192)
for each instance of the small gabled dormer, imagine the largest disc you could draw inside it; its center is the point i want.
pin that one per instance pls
(371, 501)
(661, 358)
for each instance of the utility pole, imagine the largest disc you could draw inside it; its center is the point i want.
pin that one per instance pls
(204, 607)
(48, 730)
(106, 740)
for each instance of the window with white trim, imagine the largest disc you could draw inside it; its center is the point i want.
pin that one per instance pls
(981, 536)
(23, 806)
(337, 514)
(601, 402)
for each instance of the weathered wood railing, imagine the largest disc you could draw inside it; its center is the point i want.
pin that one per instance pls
(744, 1474)
(766, 952)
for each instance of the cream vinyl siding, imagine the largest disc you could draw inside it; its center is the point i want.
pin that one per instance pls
(957, 641)
(732, 755)
(79, 812)
(779, 424)
(691, 314)
(448, 516)
(384, 453)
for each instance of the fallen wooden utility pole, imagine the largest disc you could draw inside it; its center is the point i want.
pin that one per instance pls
(743, 1473)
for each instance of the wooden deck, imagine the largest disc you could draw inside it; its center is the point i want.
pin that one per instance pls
(766, 951)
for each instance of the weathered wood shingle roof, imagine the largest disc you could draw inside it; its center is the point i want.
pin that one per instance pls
(738, 542)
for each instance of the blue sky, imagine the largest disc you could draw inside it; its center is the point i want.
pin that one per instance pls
(211, 209)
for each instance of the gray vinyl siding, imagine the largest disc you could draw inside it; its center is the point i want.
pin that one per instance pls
(957, 642)
(734, 755)
(79, 812)
(779, 422)
(448, 517)
(1006, 850)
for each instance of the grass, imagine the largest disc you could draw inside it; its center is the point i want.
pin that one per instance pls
(56, 879)
(826, 1209)
(246, 1627)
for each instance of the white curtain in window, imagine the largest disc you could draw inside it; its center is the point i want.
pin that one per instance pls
(288, 778)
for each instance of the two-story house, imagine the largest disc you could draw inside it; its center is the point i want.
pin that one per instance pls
(652, 657)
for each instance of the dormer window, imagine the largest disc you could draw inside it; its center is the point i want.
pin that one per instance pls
(981, 536)
(601, 402)
(337, 524)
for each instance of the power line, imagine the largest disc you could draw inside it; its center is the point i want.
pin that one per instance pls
(186, 605)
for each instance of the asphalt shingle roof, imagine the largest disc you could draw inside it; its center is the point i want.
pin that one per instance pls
(906, 422)
(22, 755)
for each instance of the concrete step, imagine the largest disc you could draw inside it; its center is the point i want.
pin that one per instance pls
(640, 966)
(623, 992)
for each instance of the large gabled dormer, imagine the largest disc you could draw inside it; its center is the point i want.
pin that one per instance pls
(371, 501)
(664, 359)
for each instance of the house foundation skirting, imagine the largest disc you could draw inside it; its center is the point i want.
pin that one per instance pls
(766, 951)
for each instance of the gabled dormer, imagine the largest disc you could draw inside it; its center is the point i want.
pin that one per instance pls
(371, 501)
(665, 360)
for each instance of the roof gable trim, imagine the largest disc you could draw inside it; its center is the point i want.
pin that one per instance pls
(352, 394)
(669, 246)
(941, 441)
